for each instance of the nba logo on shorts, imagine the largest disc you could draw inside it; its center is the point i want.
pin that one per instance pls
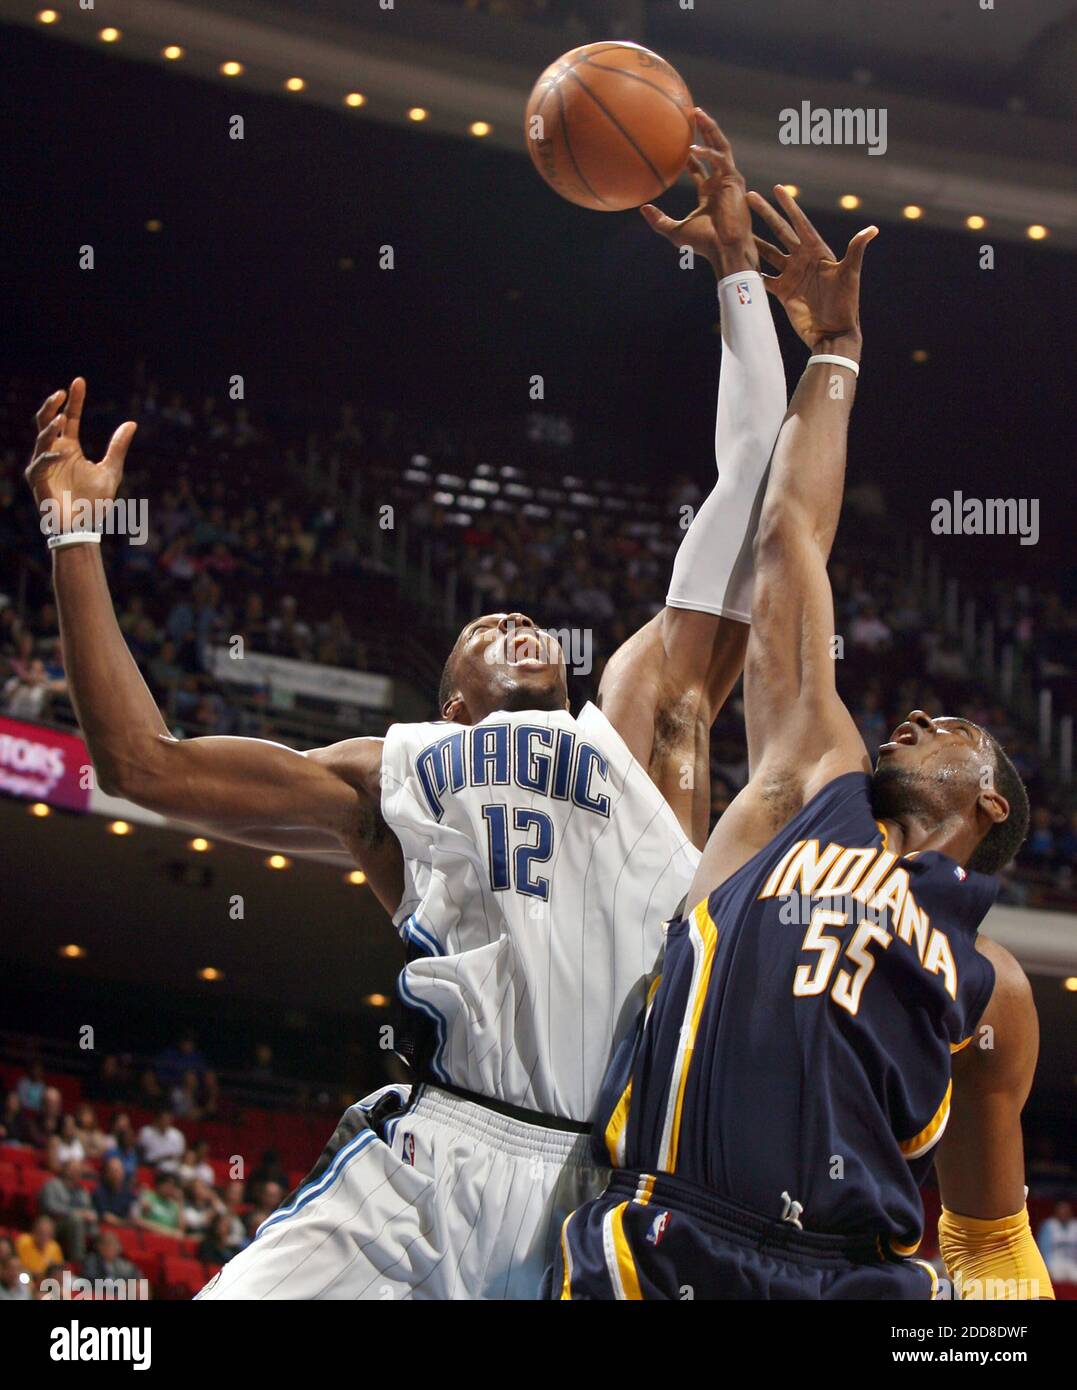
(409, 1149)
(658, 1227)
(744, 292)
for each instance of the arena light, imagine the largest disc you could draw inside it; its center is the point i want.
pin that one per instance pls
(231, 69)
(849, 201)
(417, 113)
(355, 99)
(120, 827)
(199, 845)
(1037, 232)
(110, 35)
(40, 809)
(480, 128)
(278, 861)
(792, 189)
(975, 223)
(357, 877)
(154, 224)
(912, 212)
(47, 17)
(295, 84)
(72, 952)
(173, 53)
(920, 355)
(376, 1001)
(1069, 984)
(210, 972)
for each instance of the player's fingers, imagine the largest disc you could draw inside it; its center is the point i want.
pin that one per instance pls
(770, 253)
(117, 448)
(719, 163)
(712, 132)
(697, 169)
(48, 409)
(774, 220)
(795, 213)
(657, 220)
(75, 398)
(854, 255)
(49, 435)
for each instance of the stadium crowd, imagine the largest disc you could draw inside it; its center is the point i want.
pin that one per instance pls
(250, 538)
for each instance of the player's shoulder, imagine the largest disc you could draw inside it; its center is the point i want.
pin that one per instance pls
(1004, 1056)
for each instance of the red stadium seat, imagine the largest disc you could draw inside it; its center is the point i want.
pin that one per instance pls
(181, 1278)
(130, 1238)
(20, 1157)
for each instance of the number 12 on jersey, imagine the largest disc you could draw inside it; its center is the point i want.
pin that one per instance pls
(514, 867)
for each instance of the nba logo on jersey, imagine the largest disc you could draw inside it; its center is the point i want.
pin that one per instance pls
(744, 292)
(959, 873)
(658, 1228)
(408, 1150)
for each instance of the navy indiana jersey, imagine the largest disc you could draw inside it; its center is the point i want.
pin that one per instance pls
(797, 1046)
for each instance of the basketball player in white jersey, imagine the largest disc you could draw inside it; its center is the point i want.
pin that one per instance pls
(505, 840)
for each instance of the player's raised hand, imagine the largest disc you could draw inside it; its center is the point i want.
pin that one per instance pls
(720, 228)
(58, 467)
(820, 294)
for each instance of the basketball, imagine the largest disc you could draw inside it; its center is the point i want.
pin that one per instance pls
(608, 125)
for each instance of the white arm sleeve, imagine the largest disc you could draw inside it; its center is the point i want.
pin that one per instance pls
(713, 571)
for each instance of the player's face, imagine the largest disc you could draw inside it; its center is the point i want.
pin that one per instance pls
(504, 661)
(936, 765)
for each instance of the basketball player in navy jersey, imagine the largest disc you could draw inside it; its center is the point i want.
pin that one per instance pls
(827, 1023)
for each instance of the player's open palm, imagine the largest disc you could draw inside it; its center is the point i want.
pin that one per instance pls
(821, 294)
(59, 471)
(722, 219)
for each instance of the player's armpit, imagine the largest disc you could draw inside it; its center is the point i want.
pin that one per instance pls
(662, 691)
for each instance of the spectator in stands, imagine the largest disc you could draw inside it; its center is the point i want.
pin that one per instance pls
(234, 1204)
(114, 1198)
(31, 1087)
(70, 1145)
(161, 1207)
(868, 630)
(123, 1145)
(38, 1248)
(270, 1170)
(107, 1260)
(202, 1208)
(93, 1137)
(19, 1125)
(113, 1083)
(14, 1282)
(186, 1096)
(196, 1164)
(1057, 1239)
(68, 1203)
(1040, 845)
(52, 1112)
(161, 1143)
(217, 1246)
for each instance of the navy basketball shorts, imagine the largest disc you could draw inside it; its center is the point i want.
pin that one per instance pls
(651, 1237)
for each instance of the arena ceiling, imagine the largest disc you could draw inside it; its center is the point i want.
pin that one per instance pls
(960, 84)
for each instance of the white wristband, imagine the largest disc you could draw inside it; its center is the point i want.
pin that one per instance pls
(854, 367)
(74, 538)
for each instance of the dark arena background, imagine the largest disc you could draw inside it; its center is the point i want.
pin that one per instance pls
(386, 380)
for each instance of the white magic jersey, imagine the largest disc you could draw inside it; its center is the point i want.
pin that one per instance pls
(540, 863)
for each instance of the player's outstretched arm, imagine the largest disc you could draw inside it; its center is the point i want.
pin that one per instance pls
(984, 1232)
(245, 789)
(800, 735)
(664, 688)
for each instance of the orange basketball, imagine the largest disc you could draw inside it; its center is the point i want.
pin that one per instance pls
(608, 125)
